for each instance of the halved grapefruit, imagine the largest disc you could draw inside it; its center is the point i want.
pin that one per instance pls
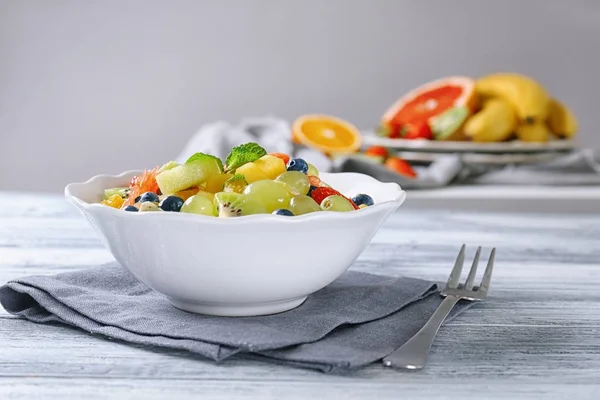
(328, 134)
(428, 101)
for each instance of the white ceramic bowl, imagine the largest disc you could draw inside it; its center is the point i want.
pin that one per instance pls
(253, 265)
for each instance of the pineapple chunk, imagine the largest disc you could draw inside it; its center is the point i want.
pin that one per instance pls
(214, 183)
(252, 172)
(187, 193)
(114, 201)
(187, 175)
(271, 165)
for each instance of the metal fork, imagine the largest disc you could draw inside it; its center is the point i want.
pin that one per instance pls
(413, 354)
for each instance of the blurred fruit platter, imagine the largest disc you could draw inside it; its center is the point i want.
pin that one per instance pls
(497, 119)
(496, 113)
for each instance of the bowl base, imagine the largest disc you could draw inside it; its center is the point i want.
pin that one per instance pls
(237, 310)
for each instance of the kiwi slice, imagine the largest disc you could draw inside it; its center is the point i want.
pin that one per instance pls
(231, 204)
(121, 191)
(448, 125)
(236, 184)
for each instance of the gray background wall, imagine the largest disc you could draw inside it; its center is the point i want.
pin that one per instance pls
(88, 87)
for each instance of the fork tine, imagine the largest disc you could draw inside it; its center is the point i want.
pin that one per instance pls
(457, 269)
(487, 276)
(473, 271)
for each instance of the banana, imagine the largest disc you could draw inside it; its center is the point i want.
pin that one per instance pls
(536, 132)
(561, 120)
(529, 98)
(495, 122)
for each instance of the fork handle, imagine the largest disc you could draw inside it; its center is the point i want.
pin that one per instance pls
(413, 354)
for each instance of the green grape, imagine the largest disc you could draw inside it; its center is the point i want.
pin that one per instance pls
(312, 170)
(336, 203)
(296, 181)
(303, 205)
(198, 204)
(272, 195)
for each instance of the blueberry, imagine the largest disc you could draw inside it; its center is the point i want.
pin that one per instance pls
(363, 199)
(283, 211)
(297, 164)
(171, 203)
(148, 196)
(130, 208)
(137, 199)
(310, 190)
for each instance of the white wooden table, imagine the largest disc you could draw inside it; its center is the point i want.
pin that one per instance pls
(537, 337)
(522, 198)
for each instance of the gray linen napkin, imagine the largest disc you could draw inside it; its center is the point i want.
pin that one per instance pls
(580, 167)
(355, 321)
(439, 173)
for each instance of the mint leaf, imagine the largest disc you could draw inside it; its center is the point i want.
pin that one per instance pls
(242, 154)
(236, 177)
(204, 156)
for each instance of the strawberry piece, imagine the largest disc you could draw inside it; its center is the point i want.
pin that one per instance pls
(377, 151)
(418, 130)
(321, 192)
(401, 167)
(284, 157)
(395, 129)
(314, 180)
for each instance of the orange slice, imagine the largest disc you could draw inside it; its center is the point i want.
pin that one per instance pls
(430, 100)
(326, 133)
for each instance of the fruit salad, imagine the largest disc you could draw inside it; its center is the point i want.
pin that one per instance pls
(250, 181)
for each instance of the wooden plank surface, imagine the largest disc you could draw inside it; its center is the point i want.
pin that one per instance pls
(522, 198)
(538, 335)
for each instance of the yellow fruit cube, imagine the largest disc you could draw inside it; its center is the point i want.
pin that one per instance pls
(252, 172)
(271, 165)
(114, 201)
(214, 183)
(186, 194)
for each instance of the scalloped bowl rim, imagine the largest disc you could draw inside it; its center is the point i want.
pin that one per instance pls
(395, 192)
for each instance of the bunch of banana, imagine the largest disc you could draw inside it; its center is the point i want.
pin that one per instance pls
(516, 105)
(495, 122)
